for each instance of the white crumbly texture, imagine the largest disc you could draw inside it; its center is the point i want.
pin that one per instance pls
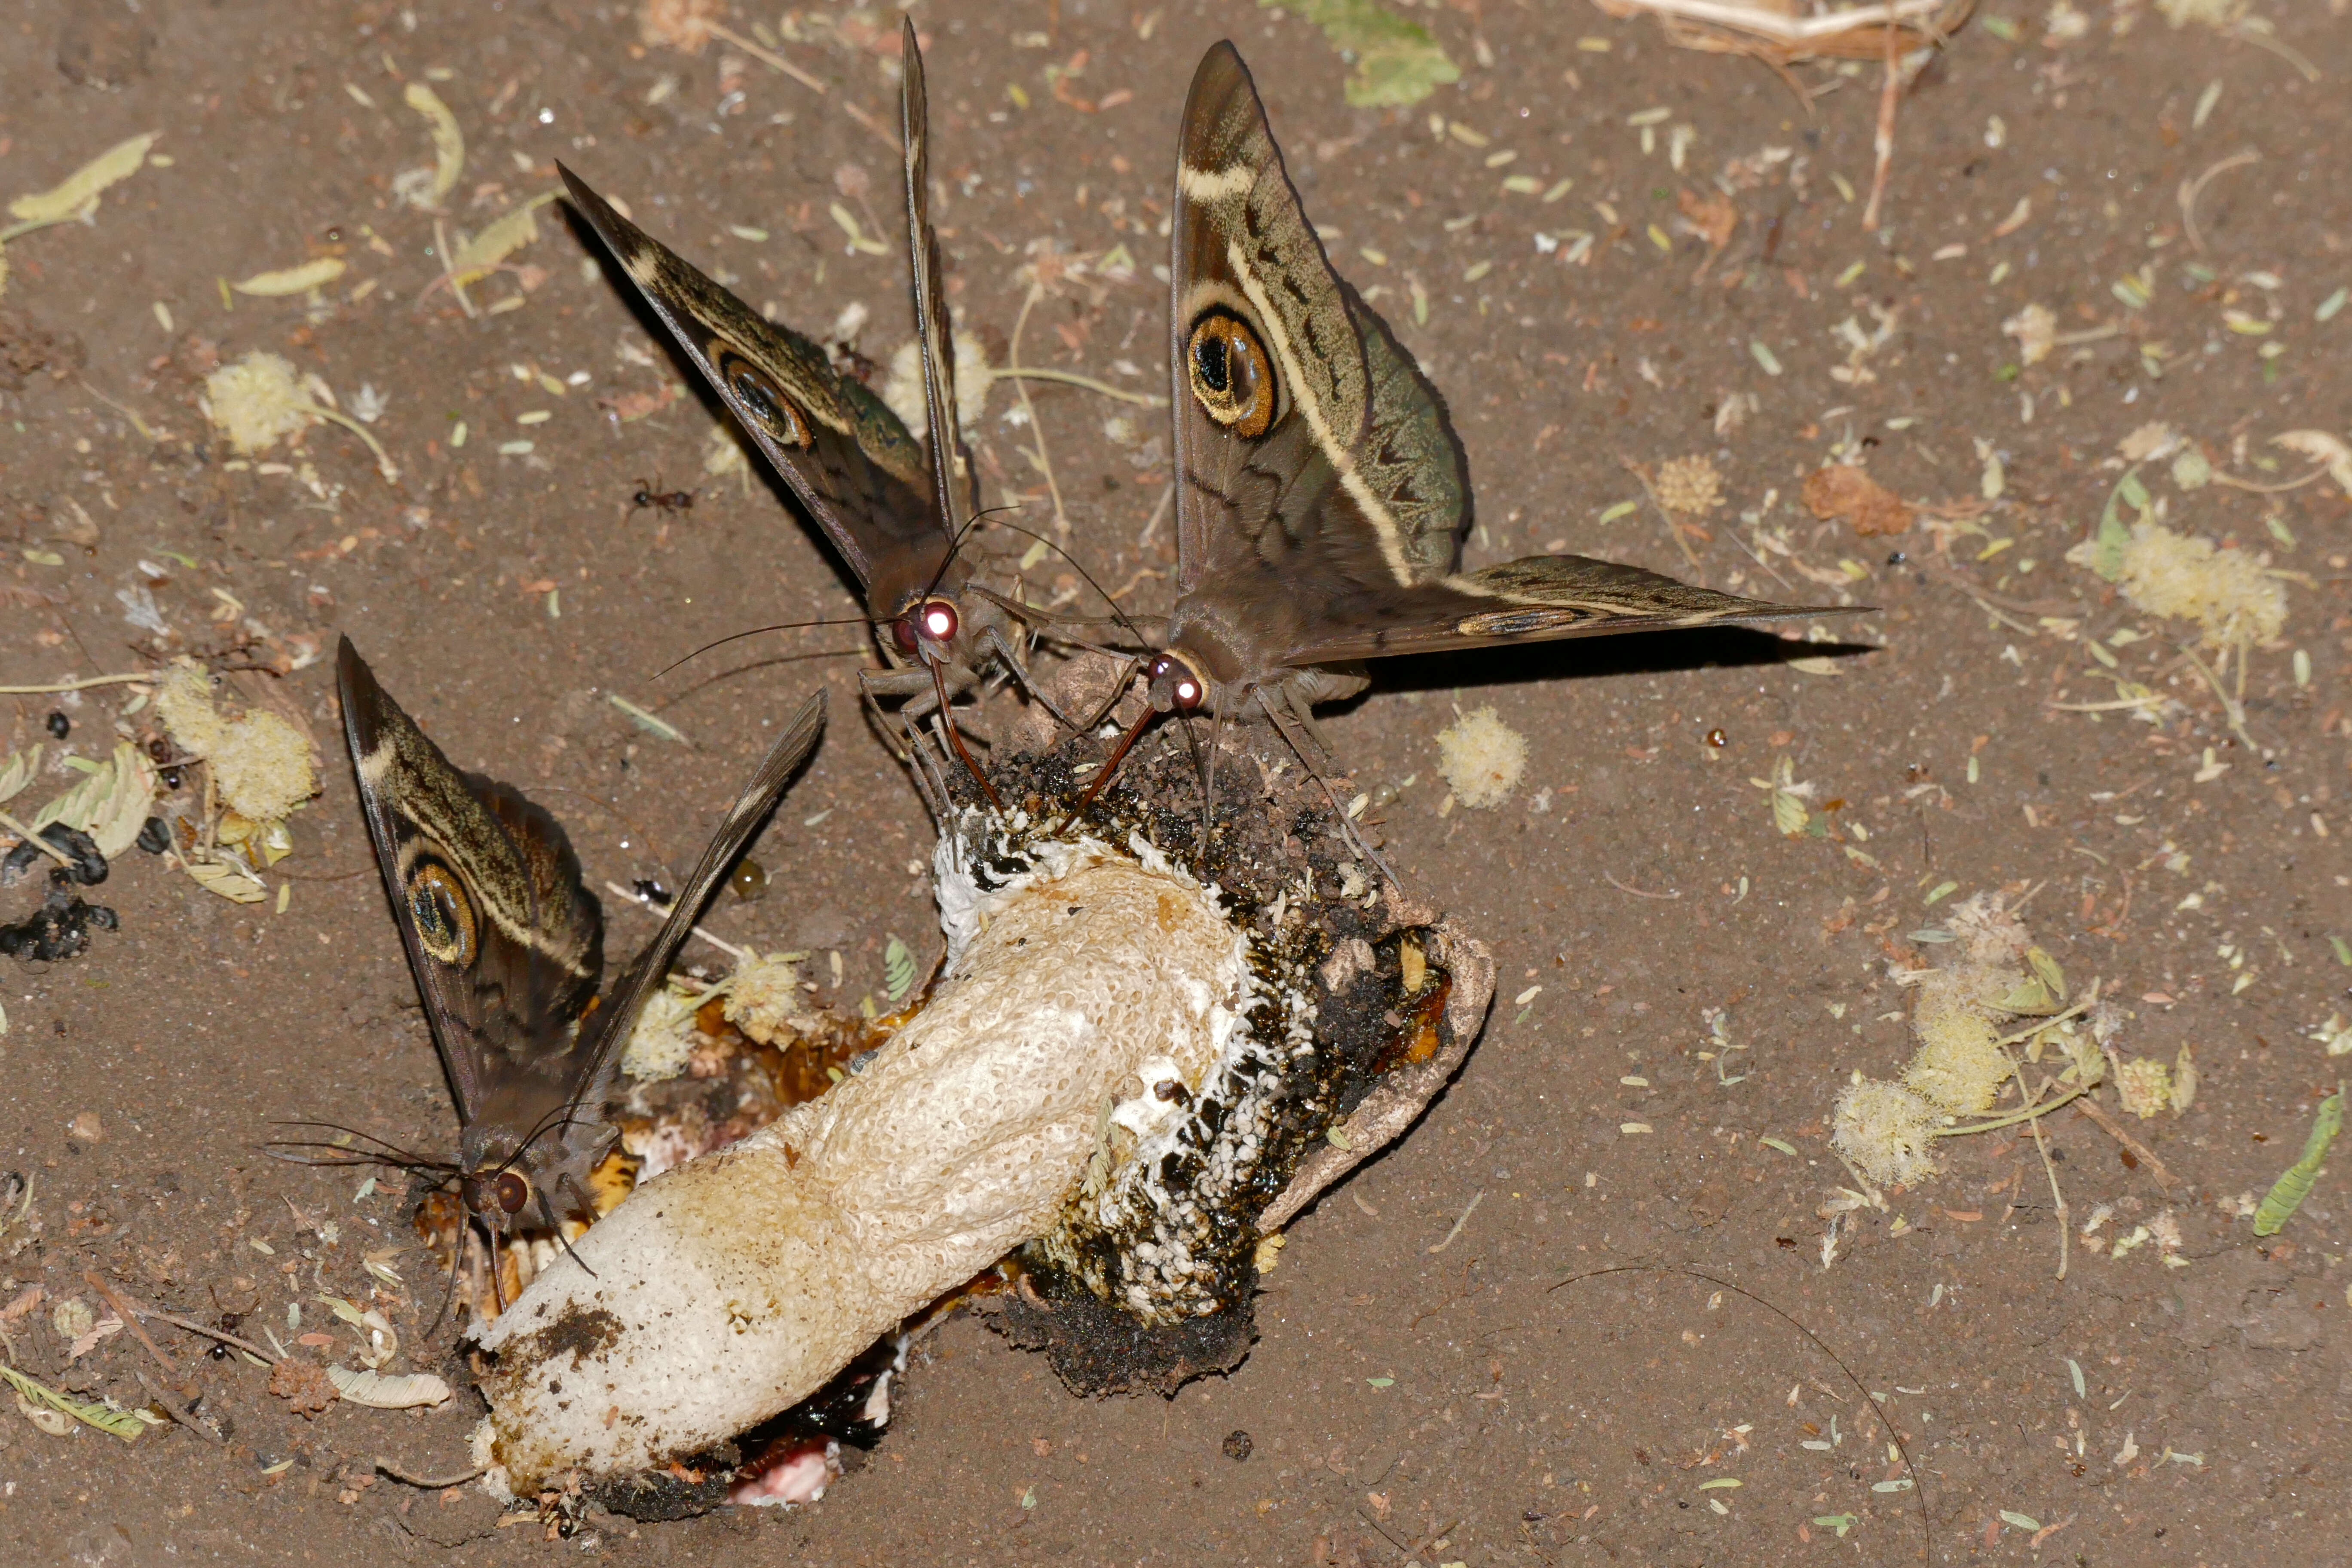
(1482, 758)
(256, 402)
(734, 1286)
(262, 767)
(764, 998)
(2227, 591)
(261, 763)
(1958, 1066)
(184, 702)
(663, 1036)
(1887, 1131)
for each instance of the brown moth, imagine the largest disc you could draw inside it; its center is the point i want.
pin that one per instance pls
(507, 947)
(1322, 497)
(895, 508)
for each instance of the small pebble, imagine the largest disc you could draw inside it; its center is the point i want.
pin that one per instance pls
(59, 725)
(1237, 1445)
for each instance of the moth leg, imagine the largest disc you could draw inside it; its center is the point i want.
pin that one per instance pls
(1347, 825)
(1302, 708)
(1002, 646)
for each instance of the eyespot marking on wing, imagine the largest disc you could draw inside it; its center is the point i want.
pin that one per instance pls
(779, 418)
(1232, 378)
(444, 915)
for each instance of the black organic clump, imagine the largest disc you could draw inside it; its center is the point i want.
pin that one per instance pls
(60, 929)
(87, 865)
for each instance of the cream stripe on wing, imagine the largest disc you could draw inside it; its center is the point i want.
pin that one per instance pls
(1391, 538)
(1215, 185)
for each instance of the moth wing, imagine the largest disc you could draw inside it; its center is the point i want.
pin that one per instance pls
(505, 941)
(1540, 598)
(954, 484)
(1346, 481)
(611, 1025)
(844, 454)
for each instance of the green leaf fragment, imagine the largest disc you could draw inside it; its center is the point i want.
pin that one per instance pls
(1941, 891)
(123, 1424)
(1398, 64)
(1841, 1523)
(2022, 1520)
(2286, 1194)
(1785, 1148)
(897, 970)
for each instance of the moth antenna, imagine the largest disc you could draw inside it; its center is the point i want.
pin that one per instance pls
(1075, 565)
(762, 631)
(398, 1155)
(955, 736)
(457, 1261)
(1868, 1403)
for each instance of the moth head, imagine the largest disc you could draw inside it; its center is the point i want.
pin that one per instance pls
(443, 914)
(762, 401)
(1176, 686)
(927, 628)
(498, 1196)
(1231, 374)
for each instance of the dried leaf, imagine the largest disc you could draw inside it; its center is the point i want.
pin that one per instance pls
(231, 882)
(1838, 490)
(448, 142)
(381, 1393)
(36, 1399)
(477, 258)
(18, 772)
(81, 189)
(650, 723)
(1398, 64)
(292, 279)
(2321, 448)
(2287, 1194)
(898, 970)
(111, 803)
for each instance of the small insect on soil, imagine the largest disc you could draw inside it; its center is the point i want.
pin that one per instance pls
(653, 495)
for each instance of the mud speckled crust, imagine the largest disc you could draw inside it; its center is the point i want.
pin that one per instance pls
(1149, 1279)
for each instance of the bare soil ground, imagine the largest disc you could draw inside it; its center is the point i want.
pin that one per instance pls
(1680, 980)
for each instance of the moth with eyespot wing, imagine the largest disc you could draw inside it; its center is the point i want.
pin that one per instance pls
(507, 947)
(1322, 497)
(893, 506)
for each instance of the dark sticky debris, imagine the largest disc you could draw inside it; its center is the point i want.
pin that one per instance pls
(60, 929)
(87, 865)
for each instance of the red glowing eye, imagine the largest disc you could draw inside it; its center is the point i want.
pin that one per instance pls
(513, 1192)
(1187, 694)
(902, 633)
(940, 621)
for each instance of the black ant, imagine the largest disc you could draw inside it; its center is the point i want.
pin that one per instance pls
(653, 495)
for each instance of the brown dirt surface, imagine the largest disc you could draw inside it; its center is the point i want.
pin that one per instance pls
(1679, 981)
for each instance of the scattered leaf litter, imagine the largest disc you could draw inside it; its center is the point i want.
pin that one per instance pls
(414, 1391)
(2286, 1194)
(2227, 591)
(1397, 63)
(1690, 485)
(1841, 491)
